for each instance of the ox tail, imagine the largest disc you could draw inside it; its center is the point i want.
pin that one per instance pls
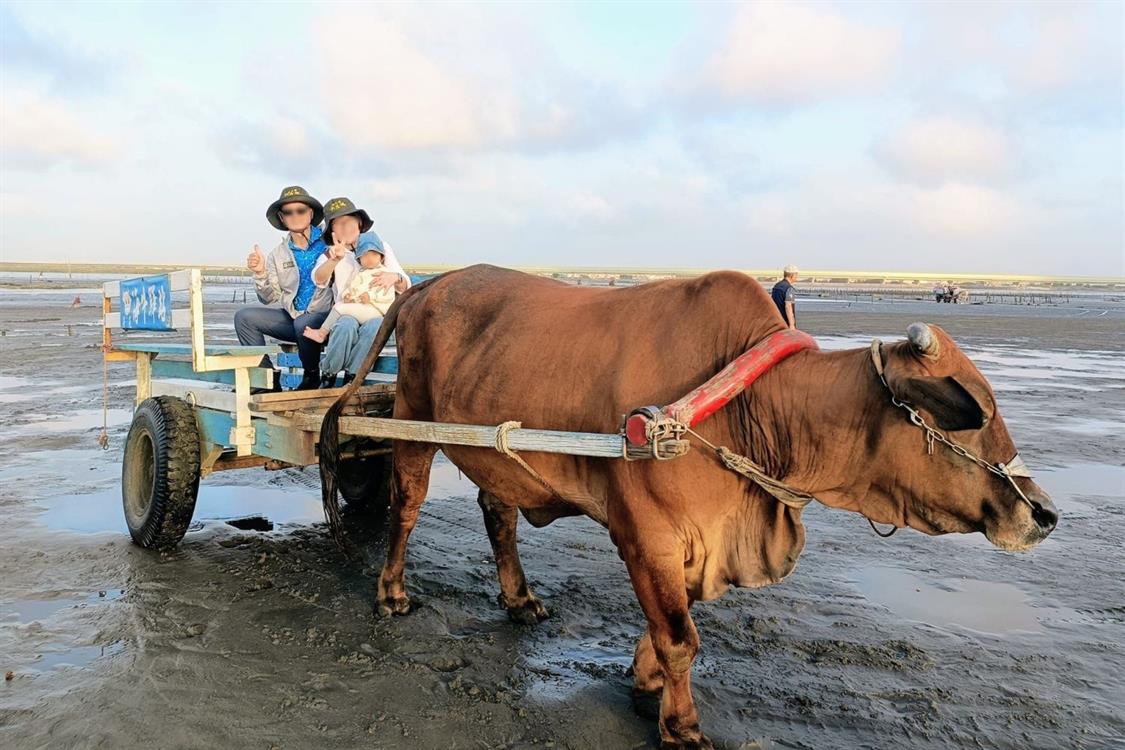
(330, 426)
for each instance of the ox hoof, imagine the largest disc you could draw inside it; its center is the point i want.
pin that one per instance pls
(528, 612)
(393, 605)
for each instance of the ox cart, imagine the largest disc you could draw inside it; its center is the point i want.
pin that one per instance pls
(204, 407)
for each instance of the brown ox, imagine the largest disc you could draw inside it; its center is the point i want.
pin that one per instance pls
(484, 345)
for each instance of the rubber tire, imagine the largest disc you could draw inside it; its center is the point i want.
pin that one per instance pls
(365, 483)
(160, 472)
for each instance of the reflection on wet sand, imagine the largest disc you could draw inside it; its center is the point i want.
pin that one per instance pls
(983, 606)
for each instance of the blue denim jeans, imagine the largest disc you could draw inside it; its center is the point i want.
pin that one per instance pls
(348, 344)
(253, 324)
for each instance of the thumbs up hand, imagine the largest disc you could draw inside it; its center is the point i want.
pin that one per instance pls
(256, 262)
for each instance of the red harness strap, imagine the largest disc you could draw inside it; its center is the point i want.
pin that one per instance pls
(724, 386)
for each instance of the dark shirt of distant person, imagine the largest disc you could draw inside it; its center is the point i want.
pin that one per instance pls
(785, 296)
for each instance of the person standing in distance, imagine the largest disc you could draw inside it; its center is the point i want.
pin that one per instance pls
(785, 297)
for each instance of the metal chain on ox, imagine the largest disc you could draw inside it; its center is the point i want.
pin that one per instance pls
(1008, 471)
(795, 498)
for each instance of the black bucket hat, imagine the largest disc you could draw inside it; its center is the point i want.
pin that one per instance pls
(338, 207)
(294, 194)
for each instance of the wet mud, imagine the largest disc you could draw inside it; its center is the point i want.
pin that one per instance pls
(257, 632)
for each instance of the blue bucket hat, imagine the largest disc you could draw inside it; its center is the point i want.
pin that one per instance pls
(368, 241)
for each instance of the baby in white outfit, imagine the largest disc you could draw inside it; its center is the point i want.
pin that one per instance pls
(362, 300)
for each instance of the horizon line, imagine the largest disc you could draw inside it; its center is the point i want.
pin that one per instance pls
(62, 266)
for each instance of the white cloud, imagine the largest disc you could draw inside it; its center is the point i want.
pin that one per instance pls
(589, 206)
(934, 150)
(790, 53)
(289, 136)
(770, 214)
(1032, 50)
(401, 80)
(38, 131)
(960, 210)
(382, 90)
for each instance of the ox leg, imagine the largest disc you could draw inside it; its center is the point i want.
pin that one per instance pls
(411, 480)
(658, 580)
(515, 595)
(648, 677)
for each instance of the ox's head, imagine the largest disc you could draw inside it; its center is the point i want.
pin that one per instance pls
(943, 491)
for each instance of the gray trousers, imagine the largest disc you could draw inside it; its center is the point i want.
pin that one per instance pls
(253, 324)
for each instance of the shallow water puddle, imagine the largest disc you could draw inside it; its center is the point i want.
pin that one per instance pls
(1082, 479)
(446, 480)
(1040, 366)
(101, 512)
(20, 617)
(558, 673)
(1092, 426)
(22, 391)
(9, 381)
(32, 610)
(74, 656)
(983, 606)
(79, 420)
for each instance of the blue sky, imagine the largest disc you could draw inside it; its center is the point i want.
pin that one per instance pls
(915, 137)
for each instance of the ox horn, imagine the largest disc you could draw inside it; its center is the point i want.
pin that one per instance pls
(923, 339)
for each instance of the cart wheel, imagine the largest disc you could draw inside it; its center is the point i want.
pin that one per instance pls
(160, 472)
(365, 483)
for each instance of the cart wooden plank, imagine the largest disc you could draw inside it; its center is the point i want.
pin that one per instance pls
(210, 350)
(260, 377)
(317, 399)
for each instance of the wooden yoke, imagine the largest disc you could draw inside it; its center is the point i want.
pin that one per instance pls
(717, 392)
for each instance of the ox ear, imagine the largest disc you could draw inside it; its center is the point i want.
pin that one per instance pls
(954, 405)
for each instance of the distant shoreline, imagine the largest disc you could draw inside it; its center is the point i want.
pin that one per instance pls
(622, 276)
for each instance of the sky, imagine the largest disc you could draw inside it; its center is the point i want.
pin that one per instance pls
(957, 137)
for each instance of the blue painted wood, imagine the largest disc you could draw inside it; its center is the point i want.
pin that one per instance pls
(146, 304)
(387, 364)
(270, 441)
(290, 380)
(384, 365)
(171, 368)
(211, 350)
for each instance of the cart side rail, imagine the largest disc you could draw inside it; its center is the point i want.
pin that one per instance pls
(153, 305)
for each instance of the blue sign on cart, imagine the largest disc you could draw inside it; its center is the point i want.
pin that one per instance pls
(146, 304)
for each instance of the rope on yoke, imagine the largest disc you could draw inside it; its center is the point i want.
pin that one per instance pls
(743, 465)
(502, 445)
